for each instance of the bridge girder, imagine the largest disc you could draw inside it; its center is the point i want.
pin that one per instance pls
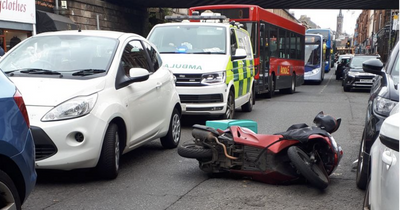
(269, 4)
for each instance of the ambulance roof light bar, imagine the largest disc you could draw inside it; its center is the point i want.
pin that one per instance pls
(195, 17)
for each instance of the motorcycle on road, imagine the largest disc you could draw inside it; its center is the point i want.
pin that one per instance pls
(301, 151)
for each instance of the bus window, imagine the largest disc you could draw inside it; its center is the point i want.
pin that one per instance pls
(282, 40)
(273, 34)
(298, 47)
(293, 46)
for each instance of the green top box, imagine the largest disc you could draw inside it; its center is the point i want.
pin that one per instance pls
(224, 124)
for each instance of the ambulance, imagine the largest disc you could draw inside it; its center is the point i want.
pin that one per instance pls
(212, 60)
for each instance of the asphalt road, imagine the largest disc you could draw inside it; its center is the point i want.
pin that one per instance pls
(153, 178)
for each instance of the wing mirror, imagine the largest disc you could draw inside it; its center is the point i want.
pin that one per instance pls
(240, 54)
(138, 74)
(373, 66)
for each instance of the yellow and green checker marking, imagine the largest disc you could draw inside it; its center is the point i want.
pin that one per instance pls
(242, 73)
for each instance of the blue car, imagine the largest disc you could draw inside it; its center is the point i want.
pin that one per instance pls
(17, 150)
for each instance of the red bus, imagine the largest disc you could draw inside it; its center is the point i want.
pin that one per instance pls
(278, 45)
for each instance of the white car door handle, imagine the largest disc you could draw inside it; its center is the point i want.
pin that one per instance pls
(387, 158)
(158, 85)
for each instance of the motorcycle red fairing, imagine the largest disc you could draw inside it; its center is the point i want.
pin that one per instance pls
(263, 157)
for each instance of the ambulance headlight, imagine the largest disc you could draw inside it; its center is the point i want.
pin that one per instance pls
(213, 78)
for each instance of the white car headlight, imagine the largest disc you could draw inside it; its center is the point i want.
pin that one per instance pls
(73, 108)
(383, 106)
(213, 78)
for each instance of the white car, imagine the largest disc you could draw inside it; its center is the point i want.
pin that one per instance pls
(93, 96)
(383, 188)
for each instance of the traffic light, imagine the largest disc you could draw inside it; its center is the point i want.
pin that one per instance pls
(348, 44)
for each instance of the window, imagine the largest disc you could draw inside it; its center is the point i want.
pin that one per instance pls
(282, 42)
(244, 42)
(134, 56)
(155, 58)
(395, 71)
(273, 36)
(292, 53)
(234, 45)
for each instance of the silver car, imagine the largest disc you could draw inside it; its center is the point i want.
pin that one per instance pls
(383, 189)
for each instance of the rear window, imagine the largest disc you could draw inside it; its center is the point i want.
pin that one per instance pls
(357, 61)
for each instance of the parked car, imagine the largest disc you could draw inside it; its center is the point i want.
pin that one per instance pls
(93, 96)
(17, 150)
(384, 96)
(354, 77)
(343, 60)
(383, 188)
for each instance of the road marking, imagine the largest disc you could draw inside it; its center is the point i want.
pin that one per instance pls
(326, 84)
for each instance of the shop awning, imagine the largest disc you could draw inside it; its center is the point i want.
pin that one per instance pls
(46, 21)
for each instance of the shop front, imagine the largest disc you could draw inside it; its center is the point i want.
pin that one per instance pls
(17, 22)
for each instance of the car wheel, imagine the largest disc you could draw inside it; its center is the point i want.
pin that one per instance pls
(346, 88)
(230, 107)
(362, 167)
(271, 91)
(248, 107)
(171, 140)
(108, 164)
(9, 197)
(366, 199)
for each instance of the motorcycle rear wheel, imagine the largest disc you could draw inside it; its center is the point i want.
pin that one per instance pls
(191, 150)
(309, 170)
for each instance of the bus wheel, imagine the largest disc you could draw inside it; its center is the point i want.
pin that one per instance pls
(271, 90)
(292, 88)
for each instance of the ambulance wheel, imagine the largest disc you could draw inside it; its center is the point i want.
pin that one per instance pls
(230, 107)
(248, 107)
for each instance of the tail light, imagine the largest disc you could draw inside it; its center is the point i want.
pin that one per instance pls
(21, 105)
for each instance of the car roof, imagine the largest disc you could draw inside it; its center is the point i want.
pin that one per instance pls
(366, 55)
(100, 33)
(346, 55)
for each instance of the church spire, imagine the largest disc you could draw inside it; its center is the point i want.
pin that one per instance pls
(340, 13)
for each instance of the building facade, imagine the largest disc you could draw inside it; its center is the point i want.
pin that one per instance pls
(17, 22)
(376, 32)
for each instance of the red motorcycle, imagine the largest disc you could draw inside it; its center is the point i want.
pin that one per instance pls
(302, 151)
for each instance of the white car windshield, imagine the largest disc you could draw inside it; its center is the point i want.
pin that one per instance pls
(64, 53)
(189, 39)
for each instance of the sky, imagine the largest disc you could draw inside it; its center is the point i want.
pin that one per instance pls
(326, 18)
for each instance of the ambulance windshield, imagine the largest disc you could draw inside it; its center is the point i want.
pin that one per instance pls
(189, 39)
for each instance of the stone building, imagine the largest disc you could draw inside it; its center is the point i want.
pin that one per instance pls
(306, 21)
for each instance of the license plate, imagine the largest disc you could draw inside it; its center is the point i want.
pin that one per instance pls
(366, 80)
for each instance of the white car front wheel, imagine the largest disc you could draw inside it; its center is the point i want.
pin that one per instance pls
(171, 140)
(108, 164)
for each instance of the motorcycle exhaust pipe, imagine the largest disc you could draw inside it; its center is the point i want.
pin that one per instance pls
(204, 133)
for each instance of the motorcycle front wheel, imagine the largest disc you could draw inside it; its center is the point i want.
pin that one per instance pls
(191, 150)
(307, 168)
